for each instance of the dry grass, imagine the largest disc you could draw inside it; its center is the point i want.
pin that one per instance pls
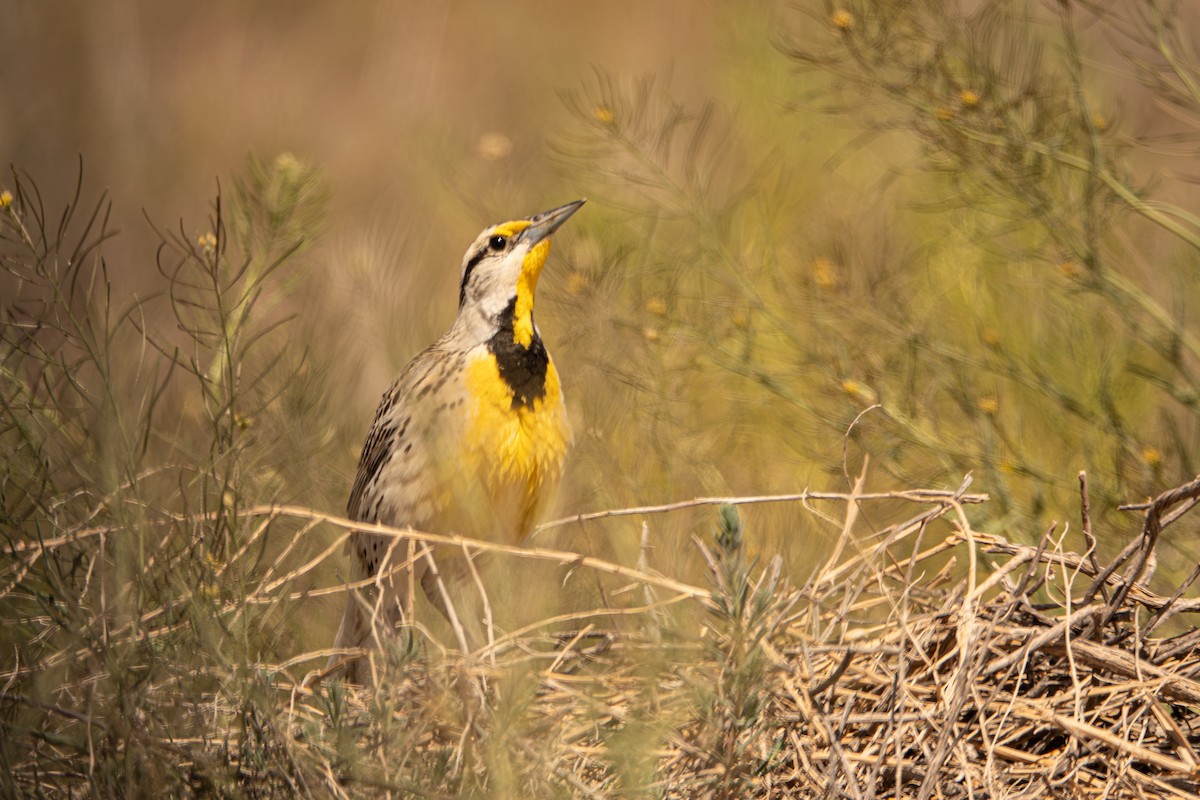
(922, 659)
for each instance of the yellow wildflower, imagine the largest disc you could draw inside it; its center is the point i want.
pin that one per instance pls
(604, 114)
(1070, 269)
(824, 273)
(494, 146)
(1152, 456)
(656, 306)
(842, 19)
(969, 99)
(576, 283)
(989, 405)
(6, 199)
(858, 391)
(288, 166)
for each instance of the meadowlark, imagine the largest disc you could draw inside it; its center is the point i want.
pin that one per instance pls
(470, 439)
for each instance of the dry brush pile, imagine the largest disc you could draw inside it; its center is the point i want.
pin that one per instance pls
(922, 659)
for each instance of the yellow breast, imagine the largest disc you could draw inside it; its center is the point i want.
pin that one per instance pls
(515, 447)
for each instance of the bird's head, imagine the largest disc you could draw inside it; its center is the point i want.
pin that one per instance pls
(500, 273)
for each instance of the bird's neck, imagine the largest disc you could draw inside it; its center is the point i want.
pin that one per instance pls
(521, 314)
(520, 356)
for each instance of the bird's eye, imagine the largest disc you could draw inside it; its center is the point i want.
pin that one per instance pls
(498, 242)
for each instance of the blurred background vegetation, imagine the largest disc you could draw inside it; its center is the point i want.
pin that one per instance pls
(952, 237)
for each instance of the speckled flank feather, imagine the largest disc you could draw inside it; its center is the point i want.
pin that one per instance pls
(470, 439)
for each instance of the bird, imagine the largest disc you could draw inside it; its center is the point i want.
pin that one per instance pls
(470, 439)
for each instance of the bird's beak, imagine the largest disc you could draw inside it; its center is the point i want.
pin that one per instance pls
(547, 222)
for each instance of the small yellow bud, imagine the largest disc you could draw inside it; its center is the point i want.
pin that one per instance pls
(1099, 122)
(989, 405)
(576, 283)
(207, 242)
(824, 273)
(5, 199)
(968, 98)
(1070, 269)
(288, 167)
(842, 19)
(858, 391)
(493, 146)
(656, 306)
(604, 114)
(650, 334)
(1152, 456)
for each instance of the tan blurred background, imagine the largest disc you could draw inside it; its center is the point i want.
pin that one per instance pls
(392, 100)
